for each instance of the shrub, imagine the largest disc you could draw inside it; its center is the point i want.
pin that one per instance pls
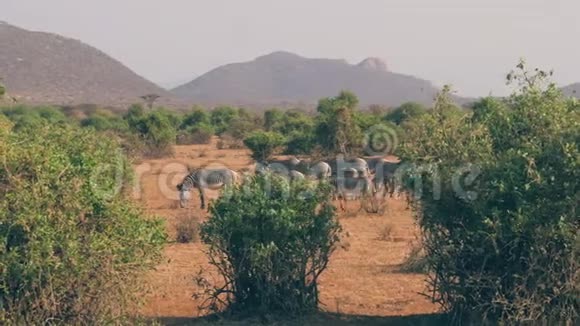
(101, 121)
(197, 116)
(263, 144)
(200, 134)
(74, 245)
(5, 124)
(186, 229)
(273, 118)
(221, 117)
(30, 118)
(156, 130)
(501, 228)
(270, 242)
(300, 144)
(405, 112)
(241, 128)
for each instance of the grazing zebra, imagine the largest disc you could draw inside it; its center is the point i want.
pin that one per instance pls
(287, 164)
(350, 183)
(339, 164)
(279, 169)
(296, 175)
(319, 171)
(205, 179)
(387, 175)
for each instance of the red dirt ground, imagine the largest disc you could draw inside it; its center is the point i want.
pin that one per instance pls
(362, 278)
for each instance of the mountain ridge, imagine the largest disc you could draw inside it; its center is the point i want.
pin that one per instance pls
(285, 77)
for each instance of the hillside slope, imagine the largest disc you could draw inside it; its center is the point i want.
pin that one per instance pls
(41, 67)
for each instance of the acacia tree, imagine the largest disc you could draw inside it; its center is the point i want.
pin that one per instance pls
(150, 99)
(336, 130)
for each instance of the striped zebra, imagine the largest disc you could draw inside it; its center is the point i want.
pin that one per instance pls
(319, 171)
(203, 179)
(350, 183)
(340, 164)
(385, 175)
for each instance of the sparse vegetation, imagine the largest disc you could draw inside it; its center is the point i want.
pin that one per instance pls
(386, 233)
(186, 228)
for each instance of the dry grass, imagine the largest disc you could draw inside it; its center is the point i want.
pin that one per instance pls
(186, 228)
(415, 262)
(386, 233)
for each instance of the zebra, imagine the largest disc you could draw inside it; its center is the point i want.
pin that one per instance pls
(202, 179)
(279, 169)
(296, 175)
(386, 178)
(339, 164)
(281, 164)
(351, 183)
(319, 170)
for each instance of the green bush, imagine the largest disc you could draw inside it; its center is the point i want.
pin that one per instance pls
(74, 246)
(198, 134)
(5, 124)
(101, 121)
(197, 116)
(263, 144)
(270, 243)
(405, 112)
(25, 117)
(156, 130)
(300, 143)
(501, 224)
(273, 118)
(221, 117)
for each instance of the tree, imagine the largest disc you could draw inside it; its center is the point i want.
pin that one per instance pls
(270, 242)
(498, 204)
(221, 117)
(405, 112)
(150, 99)
(272, 119)
(263, 144)
(337, 131)
(156, 130)
(195, 117)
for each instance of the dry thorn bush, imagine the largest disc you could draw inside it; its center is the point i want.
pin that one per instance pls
(186, 228)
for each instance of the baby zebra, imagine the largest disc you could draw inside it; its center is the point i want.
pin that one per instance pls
(205, 179)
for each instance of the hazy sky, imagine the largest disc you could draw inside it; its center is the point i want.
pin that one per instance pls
(471, 44)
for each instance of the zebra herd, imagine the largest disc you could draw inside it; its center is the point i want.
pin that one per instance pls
(351, 178)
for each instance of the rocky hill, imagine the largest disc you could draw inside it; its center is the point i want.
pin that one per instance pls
(286, 78)
(572, 90)
(41, 67)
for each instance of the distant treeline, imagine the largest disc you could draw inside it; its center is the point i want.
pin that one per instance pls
(152, 132)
